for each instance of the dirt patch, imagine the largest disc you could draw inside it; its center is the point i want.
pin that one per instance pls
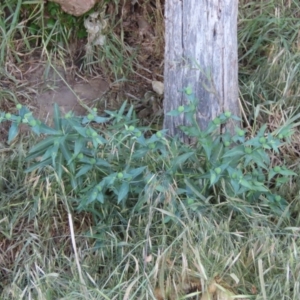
(68, 98)
(70, 93)
(44, 78)
(50, 85)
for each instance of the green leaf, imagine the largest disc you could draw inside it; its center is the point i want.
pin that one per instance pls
(217, 151)
(237, 151)
(160, 188)
(109, 180)
(102, 163)
(259, 186)
(167, 219)
(122, 108)
(263, 156)
(141, 153)
(36, 129)
(41, 147)
(83, 170)
(246, 183)
(130, 112)
(174, 113)
(271, 174)
(141, 140)
(194, 189)
(86, 160)
(206, 143)
(49, 152)
(79, 143)
(153, 139)
(136, 172)
(123, 191)
(98, 140)
(67, 155)
(13, 132)
(286, 172)
(189, 130)
(92, 196)
(286, 131)
(254, 142)
(73, 121)
(86, 120)
(212, 127)
(256, 158)
(101, 120)
(281, 180)
(56, 117)
(39, 165)
(248, 160)
(236, 186)
(44, 129)
(80, 130)
(213, 178)
(59, 169)
(24, 111)
(262, 130)
(100, 198)
(181, 159)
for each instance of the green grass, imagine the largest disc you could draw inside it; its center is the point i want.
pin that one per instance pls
(269, 52)
(49, 250)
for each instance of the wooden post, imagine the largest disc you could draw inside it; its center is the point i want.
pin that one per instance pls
(201, 52)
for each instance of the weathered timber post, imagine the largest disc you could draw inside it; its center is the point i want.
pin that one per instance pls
(201, 52)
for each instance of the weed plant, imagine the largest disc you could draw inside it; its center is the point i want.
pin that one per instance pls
(120, 163)
(143, 257)
(181, 222)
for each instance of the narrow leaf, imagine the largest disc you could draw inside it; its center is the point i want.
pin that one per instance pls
(101, 120)
(136, 172)
(123, 191)
(56, 117)
(100, 198)
(182, 159)
(213, 178)
(83, 170)
(13, 132)
(67, 155)
(39, 165)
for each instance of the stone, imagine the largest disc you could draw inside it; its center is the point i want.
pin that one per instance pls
(75, 7)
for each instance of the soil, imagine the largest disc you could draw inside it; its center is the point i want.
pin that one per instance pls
(67, 92)
(40, 82)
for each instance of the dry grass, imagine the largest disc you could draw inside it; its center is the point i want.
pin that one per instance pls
(142, 258)
(50, 251)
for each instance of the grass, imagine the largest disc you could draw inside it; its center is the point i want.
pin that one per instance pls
(269, 52)
(49, 250)
(139, 257)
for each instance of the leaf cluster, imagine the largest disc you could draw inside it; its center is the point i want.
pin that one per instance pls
(237, 166)
(107, 161)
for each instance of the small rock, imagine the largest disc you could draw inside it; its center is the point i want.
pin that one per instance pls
(75, 7)
(158, 87)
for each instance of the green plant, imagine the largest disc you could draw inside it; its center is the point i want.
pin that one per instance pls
(113, 158)
(236, 165)
(54, 26)
(97, 162)
(9, 27)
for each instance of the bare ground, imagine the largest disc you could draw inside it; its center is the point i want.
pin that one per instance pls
(39, 82)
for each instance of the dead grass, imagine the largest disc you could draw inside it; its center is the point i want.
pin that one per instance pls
(140, 259)
(45, 254)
